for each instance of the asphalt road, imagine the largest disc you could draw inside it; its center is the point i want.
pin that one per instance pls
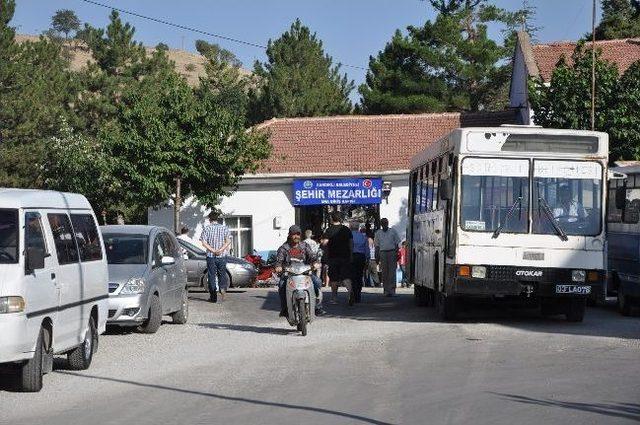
(380, 362)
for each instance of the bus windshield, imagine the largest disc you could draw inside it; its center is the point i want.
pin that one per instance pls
(495, 193)
(571, 194)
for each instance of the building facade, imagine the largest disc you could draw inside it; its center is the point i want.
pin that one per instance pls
(358, 165)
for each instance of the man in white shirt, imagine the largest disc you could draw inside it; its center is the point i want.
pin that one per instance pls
(386, 241)
(567, 209)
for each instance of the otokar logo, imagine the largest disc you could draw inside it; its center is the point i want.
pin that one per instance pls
(529, 273)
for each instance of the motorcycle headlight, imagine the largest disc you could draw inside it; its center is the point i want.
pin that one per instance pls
(11, 305)
(479, 272)
(578, 275)
(135, 285)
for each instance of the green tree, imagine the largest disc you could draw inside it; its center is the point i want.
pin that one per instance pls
(36, 92)
(299, 79)
(566, 101)
(625, 121)
(163, 132)
(65, 21)
(620, 19)
(448, 64)
(224, 85)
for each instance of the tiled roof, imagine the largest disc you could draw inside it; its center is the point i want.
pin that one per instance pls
(622, 52)
(360, 144)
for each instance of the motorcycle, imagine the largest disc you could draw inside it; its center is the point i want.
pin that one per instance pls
(266, 271)
(300, 295)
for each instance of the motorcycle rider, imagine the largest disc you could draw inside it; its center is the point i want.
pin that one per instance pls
(295, 248)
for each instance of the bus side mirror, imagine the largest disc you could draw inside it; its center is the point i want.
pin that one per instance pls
(621, 197)
(35, 259)
(446, 189)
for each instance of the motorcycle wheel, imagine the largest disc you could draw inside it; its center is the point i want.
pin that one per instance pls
(302, 317)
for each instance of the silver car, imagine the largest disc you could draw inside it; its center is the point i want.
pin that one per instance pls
(240, 272)
(147, 277)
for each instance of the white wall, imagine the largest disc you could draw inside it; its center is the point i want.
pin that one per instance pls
(264, 201)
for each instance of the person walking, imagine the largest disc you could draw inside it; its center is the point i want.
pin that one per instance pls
(338, 246)
(216, 241)
(373, 274)
(386, 241)
(402, 263)
(359, 259)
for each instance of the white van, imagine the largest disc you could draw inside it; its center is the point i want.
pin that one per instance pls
(53, 283)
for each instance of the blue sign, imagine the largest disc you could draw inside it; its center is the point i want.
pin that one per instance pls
(337, 191)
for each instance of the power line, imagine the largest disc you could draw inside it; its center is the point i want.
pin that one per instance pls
(196, 30)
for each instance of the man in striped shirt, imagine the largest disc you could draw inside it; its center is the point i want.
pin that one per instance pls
(216, 241)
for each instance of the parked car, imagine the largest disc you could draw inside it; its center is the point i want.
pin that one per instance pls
(53, 283)
(147, 277)
(241, 272)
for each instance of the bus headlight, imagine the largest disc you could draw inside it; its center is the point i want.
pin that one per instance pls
(578, 275)
(479, 272)
(11, 305)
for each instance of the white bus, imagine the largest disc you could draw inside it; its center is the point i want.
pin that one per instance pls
(510, 213)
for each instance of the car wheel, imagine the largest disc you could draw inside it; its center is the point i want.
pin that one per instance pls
(80, 357)
(181, 316)
(154, 319)
(30, 374)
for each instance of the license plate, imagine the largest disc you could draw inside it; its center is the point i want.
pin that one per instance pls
(573, 289)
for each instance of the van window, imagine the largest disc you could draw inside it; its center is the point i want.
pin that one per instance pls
(63, 238)
(8, 236)
(87, 238)
(33, 234)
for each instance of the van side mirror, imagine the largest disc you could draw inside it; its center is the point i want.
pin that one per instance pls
(621, 197)
(446, 189)
(35, 258)
(631, 214)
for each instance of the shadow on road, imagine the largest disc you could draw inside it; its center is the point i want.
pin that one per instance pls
(601, 321)
(247, 328)
(345, 415)
(619, 410)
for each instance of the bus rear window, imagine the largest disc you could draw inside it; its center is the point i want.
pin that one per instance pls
(8, 236)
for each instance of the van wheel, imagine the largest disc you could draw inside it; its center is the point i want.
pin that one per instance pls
(181, 316)
(575, 308)
(80, 357)
(154, 319)
(30, 373)
(624, 303)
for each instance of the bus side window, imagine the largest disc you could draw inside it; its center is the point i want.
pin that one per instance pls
(434, 181)
(424, 189)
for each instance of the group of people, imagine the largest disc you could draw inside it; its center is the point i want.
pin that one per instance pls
(343, 256)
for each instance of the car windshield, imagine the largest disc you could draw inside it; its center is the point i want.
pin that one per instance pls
(571, 193)
(191, 247)
(126, 248)
(495, 193)
(8, 236)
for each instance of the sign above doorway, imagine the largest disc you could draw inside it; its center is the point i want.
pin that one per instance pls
(346, 191)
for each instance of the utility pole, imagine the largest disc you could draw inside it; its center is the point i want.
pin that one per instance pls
(177, 204)
(593, 67)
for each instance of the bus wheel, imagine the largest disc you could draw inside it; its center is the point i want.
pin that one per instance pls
(446, 307)
(575, 308)
(624, 303)
(420, 295)
(430, 297)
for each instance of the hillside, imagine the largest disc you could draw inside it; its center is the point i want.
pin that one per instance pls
(190, 65)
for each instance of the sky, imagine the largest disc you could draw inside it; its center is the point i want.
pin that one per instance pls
(351, 30)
